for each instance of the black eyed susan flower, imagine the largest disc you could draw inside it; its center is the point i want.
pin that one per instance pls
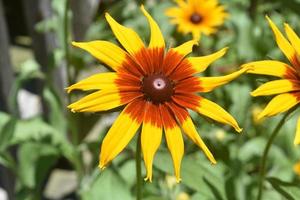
(287, 88)
(156, 86)
(197, 16)
(297, 168)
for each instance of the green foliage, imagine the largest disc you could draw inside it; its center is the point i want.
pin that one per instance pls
(33, 148)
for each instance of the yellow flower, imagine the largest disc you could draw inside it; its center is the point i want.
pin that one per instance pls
(287, 88)
(255, 113)
(297, 168)
(197, 16)
(157, 86)
(183, 196)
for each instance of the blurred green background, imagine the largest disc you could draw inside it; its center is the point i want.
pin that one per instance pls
(46, 152)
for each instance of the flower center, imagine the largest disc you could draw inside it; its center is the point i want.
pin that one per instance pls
(157, 88)
(196, 18)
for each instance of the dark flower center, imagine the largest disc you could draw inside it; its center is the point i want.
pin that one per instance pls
(196, 18)
(157, 88)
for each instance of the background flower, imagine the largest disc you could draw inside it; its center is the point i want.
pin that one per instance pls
(197, 16)
(287, 89)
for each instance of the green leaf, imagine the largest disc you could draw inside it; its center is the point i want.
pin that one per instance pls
(106, 185)
(7, 161)
(197, 174)
(288, 190)
(7, 128)
(35, 159)
(56, 115)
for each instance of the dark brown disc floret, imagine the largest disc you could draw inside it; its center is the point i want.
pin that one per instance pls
(157, 88)
(196, 18)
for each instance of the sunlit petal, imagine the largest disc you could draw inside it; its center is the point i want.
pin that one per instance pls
(185, 48)
(207, 84)
(276, 87)
(126, 36)
(279, 104)
(217, 113)
(283, 43)
(96, 82)
(173, 138)
(201, 63)
(107, 52)
(293, 38)
(272, 68)
(297, 136)
(118, 136)
(157, 39)
(190, 130)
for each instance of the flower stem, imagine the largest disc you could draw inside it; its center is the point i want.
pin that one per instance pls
(138, 161)
(263, 162)
(66, 41)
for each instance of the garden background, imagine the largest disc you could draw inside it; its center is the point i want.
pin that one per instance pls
(47, 152)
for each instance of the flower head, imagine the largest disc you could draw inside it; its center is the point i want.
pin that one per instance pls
(197, 16)
(287, 88)
(297, 168)
(157, 86)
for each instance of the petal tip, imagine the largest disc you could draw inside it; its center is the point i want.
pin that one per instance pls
(68, 89)
(254, 93)
(213, 162)
(178, 179)
(148, 178)
(238, 129)
(101, 166)
(260, 116)
(74, 43)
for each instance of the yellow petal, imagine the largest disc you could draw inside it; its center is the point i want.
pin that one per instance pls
(117, 138)
(126, 36)
(98, 101)
(217, 113)
(176, 147)
(276, 87)
(173, 12)
(283, 43)
(279, 104)
(157, 39)
(297, 137)
(196, 34)
(151, 139)
(271, 67)
(190, 130)
(185, 48)
(201, 63)
(293, 38)
(95, 82)
(209, 83)
(107, 52)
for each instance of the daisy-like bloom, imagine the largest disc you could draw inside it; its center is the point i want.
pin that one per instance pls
(297, 168)
(197, 16)
(156, 86)
(286, 89)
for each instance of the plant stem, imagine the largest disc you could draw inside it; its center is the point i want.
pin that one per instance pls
(262, 170)
(138, 161)
(66, 41)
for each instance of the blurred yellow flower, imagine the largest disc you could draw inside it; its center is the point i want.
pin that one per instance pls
(171, 181)
(297, 168)
(255, 113)
(220, 134)
(287, 89)
(197, 16)
(157, 86)
(183, 196)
